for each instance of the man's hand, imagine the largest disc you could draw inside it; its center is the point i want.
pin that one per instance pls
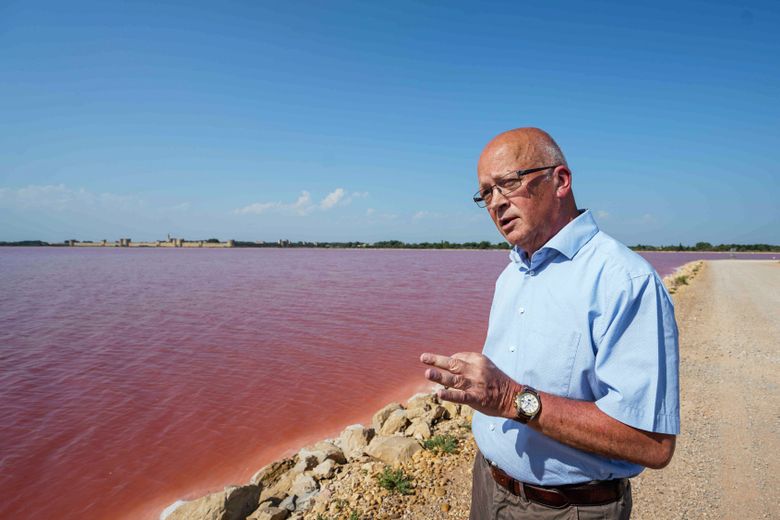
(473, 379)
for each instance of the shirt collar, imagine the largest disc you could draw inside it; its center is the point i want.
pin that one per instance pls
(568, 241)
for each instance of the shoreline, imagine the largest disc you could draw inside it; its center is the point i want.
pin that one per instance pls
(293, 454)
(499, 249)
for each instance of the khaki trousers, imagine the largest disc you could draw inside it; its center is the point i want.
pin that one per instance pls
(489, 501)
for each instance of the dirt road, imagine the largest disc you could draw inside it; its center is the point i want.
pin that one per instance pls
(728, 455)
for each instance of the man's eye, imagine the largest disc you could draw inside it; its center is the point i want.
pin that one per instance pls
(485, 193)
(512, 183)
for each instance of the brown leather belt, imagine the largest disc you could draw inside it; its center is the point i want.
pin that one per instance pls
(595, 493)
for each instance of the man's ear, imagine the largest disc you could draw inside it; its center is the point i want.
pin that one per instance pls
(562, 178)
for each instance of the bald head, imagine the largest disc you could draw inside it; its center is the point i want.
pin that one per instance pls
(531, 146)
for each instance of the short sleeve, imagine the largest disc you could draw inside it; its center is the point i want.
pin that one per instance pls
(637, 358)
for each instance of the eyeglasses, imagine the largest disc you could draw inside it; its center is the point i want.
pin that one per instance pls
(505, 185)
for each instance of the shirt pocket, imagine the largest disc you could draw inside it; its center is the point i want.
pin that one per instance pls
(547, 358)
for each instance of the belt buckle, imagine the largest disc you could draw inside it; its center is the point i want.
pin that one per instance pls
(566, 501)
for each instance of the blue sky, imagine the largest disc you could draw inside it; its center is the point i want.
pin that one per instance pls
(364, 120)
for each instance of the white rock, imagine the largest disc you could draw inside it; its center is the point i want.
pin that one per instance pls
(393, 450)
(379, 418)
(419, 430)
(234, 503)
(324, 469)
(303, 485)
(353, 441)
(394, 423)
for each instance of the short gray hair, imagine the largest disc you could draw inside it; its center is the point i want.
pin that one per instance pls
(551, 153)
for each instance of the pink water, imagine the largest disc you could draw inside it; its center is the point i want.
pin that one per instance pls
(133, 378)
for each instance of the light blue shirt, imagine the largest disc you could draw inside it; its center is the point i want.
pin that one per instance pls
(584, 318)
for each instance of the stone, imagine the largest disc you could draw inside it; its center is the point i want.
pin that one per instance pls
(234, 503)
(394, 423)
(452, 409)
(269, 513)
(306, 462)
(303, 485)
(445, 508)
(393, 450)
(324, 470)
(271, 472)
(279, 489)
(288, 503)
(331, 451)
(422, 400)
(433, 415)
(354, 440)
(320, 502)
(419, 429)
(379, 418)
(418, 404)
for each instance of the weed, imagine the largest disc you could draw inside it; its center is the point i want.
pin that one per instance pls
(353, 515)
(395, 481)
(442, 444)
(681, 280)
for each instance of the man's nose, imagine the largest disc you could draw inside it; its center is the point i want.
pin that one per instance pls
(498, 199)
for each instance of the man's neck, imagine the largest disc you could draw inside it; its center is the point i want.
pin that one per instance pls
(560, 223)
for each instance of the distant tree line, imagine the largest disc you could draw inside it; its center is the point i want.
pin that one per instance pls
(384, 244)
(28, 243)
(706, 246)
(444, 244)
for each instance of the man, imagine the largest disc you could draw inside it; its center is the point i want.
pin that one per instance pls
(577, 387)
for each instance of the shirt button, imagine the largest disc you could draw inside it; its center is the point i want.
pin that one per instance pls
(521, 310)
(512, 348)
(531, 272)
(492, 427)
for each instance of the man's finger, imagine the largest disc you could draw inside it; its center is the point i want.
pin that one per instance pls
(436, 360)
(445, 378)
(451, 364)
(455, 396)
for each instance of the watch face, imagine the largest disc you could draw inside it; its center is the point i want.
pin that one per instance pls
(529, 404)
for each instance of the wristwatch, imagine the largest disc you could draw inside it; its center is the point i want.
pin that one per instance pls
(527, 405)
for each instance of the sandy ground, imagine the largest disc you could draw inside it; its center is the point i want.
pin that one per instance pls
(726, 460)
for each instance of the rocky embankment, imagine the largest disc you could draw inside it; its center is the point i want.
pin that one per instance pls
(413, 462)
(406, 465)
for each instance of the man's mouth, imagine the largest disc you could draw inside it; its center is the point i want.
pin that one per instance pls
(506, 222)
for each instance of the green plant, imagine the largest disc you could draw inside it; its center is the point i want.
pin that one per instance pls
(353, 515)
(441, 443)
(395, 481)
(681, 280)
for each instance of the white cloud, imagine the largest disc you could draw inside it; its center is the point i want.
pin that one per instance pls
(426, 215)
(370, 211)
(601, 214)
(58, 197)
(303, 205)
(333, 198)
(257, 208)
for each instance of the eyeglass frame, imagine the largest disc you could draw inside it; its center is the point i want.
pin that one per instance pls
(479, 199)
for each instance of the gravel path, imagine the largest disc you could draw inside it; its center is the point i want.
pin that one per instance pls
(727, 455)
